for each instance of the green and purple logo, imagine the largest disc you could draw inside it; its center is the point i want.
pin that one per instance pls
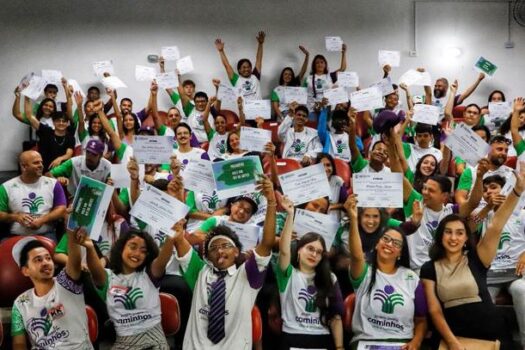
(388, 298)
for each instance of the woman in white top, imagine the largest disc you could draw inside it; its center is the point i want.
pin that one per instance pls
(390, 301)
(311, 300)
(338, 189)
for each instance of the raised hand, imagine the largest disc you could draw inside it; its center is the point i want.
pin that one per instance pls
(303, 50)
(178, 229)
(133, 168)
(78, 98)
(98, 106)
(454, 86)
(518, 105)
(417, 212)
(287, 205)
(216, 82)
(351, 206)
(260, 37)
(219, 44)
(265, 185)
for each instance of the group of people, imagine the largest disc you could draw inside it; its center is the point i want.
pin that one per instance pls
(437, 264)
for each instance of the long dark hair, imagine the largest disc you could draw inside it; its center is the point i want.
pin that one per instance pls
(404, 259)
(323, 276)
(419, 178)
(496, 92)
(39, 112)
(369, 240)
(320, 157)
(136, 125)
(505, 127)
(313, 71)
(437, 250)
(229, 148)
(101, 134)
(293, 82)
(115, 255)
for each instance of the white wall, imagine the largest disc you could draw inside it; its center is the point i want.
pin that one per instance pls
(70, 34)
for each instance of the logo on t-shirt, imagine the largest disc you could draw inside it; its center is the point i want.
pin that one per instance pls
(159, 238)
(431, 227)
(221, 146)
(42, 330)
(505, 237)
(388, 298)
(104, 246)
(211, 201)
(308, 296)
(183, 164)
(32, 202)
(129, 298)
(247, 86)
(340, 146)
(297, 146)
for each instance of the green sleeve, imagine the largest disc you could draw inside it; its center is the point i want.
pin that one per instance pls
(275, 97)
(190, 201)
(65, 169)
(4, 200)
(75, 118)
(208, 224)
(61, 247)
(17, 323)
(407, 208)
(358, 164)
(162, 130)
(520, 147)
(124, 197)
(357, 282)
(458, 160)
(120, 152)
(339, 236)
(82, 135)
(282, 277)
(175, 97)
(393, 223)
(165, 168)
(194, 268)
(465, 181)
(103, 291)
(409, 175)
(407, 150)
(188, 109)
(210, 134)
(234, 79)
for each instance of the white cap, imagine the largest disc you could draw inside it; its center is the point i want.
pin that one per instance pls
(17, 248)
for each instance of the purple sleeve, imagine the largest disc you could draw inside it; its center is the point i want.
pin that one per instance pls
(408, 227)
(142, 115)
(420, 302)
(59, 198)
(194, 142)
(255, 277)
(333, 75)
(68, 283)
(214, 112)
(455, 208)
(256, 73)
(343, 194)
(336, 303)
(205, 156)
(456, 100)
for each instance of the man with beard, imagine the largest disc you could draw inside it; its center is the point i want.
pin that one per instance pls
(499, 147)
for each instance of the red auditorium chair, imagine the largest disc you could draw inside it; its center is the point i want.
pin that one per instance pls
(231, 118)
(348, 312)
(169, 306)
(457, 112)
(284, 165)
(92, 323)
(343, 171)
(512, 162)
(256, 324)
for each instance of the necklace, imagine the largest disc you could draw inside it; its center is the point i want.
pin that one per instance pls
(60, 143)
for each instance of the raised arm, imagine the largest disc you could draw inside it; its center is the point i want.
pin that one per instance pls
(467, 207)
(163, 70)
(264, 248)
(259, 56)
(133, 170)
(68, 90)
(342, 68)
(74, 258)
(449, 107)
(410, 103)
(471, 88)
(158, 266)
(16, 106)
(357, 257)
(517, 107)
(81, 128)
(304, 67)
(242, 116)
(219, 45)
(98, 274)
(98, 107)
(354, 150)
(205, 115)
(28, 109)
(286, 235)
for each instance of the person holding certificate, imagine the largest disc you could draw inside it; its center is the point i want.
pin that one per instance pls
(185, 153)
(305, 285)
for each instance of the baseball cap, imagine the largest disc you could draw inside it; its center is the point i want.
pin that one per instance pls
(17, 248)
(147, 129)
(386, 120)
(95, 146)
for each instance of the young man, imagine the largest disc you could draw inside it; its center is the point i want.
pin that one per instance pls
(53, 313)
(223, 292)
(424, 144)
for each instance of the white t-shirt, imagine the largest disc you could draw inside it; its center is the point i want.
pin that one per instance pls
(197, 125)
(186, 157)
(322, 82)
(299, 144)
(250, 87)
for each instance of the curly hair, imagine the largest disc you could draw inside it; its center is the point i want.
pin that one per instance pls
(115, 255)
(222, 230)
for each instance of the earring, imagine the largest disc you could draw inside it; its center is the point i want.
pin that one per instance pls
(399, 257)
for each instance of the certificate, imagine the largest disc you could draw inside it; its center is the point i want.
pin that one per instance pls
(254, 139)
(347, 79)
(198, 176)
(228, 93)
(76, 87)
(379, 345)
(307, 221)
(158, 209)
(168, 80)
(120, 175)
(498, 113)
(333, 43)
(367, 99)
(466, 144)
(25, 80)
(102, 67)
(392, 58)
(426, 114)
(249, 235)
(52, 76)
(336, 96)
(185, 65)
(413, 77)
(485, 66)
(145, 73)
(385, 85)
(34, 88)
(152, 149)
(295, 94)
(90, 205)
(170, 53)
(378, 190)
(236, 177)
(306, 184)
(257, 108)
(112, 82)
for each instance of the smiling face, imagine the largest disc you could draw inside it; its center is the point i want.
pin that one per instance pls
(183, 136)
(491, 189)
(245, 70)
(327, 167)
(300, 118)
(31, 164)
(128, 123)
(126, 106)
(390, 246)
(440, 88)
(287, 76)
(454, 237)
(48, 108)
(241, 211)
(220, 124)
(40, 266)
(173, 117)
(391, 101)
(96, 125)
(235, 142)
(370, 220)
(134, 254)
(200, 103)
(222, 254)
(309, 255)
(88, 108)
(379, 153)
(319, 205)
(432, 194)
(498, 153)
(60, 124)
(428, 165)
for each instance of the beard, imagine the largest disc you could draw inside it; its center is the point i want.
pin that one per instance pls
(498, 161)
(438, 93)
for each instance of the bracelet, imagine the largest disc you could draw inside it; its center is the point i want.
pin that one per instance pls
(271, 204)
(134, 178)
(516, 193)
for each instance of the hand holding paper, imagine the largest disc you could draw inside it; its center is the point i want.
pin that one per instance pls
(333, 43)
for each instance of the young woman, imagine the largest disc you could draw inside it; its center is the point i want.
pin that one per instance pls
(493, 124)
(130, 287)
(426, 167)
(311, 300)
(338, 188)
(390, 302)
(94, 129)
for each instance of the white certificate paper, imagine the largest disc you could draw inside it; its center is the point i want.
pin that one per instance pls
(307, 221)
(112, 82)
(295, 94)
(426, 114)
(168, 80)
(102, 67)
(198, 176)
(306, 184)
(228, 93)
(466, 144)
(170, 53)
(254, 139)
(367, 99)
(413, 77)
(120, 175)
(499, 112)
(378, 345)
(35, 87)
(348, 79)
(185, 65)
(378, 190)
(257, 108)
(385, 85)
(76, 87)
(52, 76)
(249, 235)
(145, 73)
(336, 95)
(152, 149)
(333, 43)
(158, 209)
(392, 58)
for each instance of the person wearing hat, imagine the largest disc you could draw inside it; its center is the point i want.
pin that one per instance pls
(92, 165)
(53, 313)
(224, 291)
(32, 203)
(423, 145)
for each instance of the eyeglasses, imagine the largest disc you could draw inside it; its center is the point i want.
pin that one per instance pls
(223, 246)
(314, 251)
(397, 243)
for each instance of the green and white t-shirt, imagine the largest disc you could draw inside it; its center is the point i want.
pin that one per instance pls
(468, 177)
(278, 96)
(76, 167)
(132, 301)
(361, 165)
(250, 87)
(217, 145)
(413, 153)
(56, 320)
(299, 144)
(194, 120)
